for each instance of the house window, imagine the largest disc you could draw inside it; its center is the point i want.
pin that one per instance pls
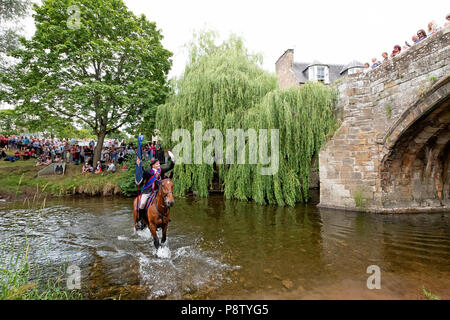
(320, 74)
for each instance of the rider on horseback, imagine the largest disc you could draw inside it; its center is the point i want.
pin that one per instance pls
(151, 179)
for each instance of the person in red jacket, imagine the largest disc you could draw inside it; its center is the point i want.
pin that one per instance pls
(27, 154)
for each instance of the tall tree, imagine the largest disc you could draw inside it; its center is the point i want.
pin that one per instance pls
(10, 12)
(90, 61)
(224, 87)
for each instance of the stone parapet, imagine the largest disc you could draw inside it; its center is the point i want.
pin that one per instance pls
(391, 151)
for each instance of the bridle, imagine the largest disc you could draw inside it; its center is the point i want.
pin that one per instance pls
(164, 195)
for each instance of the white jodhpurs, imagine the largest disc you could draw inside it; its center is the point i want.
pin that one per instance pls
(144, 199)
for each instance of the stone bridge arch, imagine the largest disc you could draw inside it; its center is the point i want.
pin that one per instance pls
(391, 152)
(414, 168)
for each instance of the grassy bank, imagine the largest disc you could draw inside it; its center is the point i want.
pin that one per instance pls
(22, 280)
(19, 180)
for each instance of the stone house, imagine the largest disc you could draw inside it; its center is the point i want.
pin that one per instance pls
(292, 73)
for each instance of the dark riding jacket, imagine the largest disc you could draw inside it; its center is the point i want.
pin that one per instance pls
(151, 178)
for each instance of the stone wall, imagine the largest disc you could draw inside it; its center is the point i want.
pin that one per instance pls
(380, 158)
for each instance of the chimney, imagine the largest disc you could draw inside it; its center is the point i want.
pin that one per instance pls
(286, 61)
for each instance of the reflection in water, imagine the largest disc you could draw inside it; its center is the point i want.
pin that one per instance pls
(227, 249)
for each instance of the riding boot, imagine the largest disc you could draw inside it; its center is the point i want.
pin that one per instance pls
(141, 214)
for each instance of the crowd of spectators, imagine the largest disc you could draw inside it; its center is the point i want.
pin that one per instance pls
(46, 151)
(416, 38)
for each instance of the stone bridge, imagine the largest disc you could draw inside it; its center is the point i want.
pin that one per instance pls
(392, 150)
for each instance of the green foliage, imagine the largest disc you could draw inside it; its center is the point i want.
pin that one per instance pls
(360, 200)
(422, 91)
(16, 121)
(388, 110)
(11, 12)
(21, 280)
(19, 179)
(9, 122)
(127, 182)
(429, 295)
(224, 87)
(102, 74)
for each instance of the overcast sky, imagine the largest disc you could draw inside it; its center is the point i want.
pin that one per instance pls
(329, 31)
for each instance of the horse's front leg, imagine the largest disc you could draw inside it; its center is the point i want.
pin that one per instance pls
(152, 228)
(164, 233)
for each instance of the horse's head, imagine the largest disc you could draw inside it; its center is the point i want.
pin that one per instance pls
(166, 188)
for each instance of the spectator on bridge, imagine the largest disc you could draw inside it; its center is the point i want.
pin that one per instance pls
(385, 57)
(415, 39)
(375, 63)
(421, 34)
(432, 28)
(447, 20)
(366, 69)
(396, 51)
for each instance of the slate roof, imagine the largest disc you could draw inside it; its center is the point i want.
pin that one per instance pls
(300, 70)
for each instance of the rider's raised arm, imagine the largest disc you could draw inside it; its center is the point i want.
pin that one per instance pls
(170, 167)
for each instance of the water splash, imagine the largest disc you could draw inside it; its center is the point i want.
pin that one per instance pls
(163, 252)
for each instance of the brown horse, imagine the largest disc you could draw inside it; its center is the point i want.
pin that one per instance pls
(158, 212)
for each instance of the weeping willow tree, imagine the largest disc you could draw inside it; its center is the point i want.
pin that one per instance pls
(224, 87)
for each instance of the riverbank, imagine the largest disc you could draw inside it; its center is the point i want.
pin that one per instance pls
(19, 181)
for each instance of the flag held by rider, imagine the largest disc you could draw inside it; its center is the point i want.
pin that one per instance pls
(139, 169)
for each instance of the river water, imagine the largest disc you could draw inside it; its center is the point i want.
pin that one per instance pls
(220, 249)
